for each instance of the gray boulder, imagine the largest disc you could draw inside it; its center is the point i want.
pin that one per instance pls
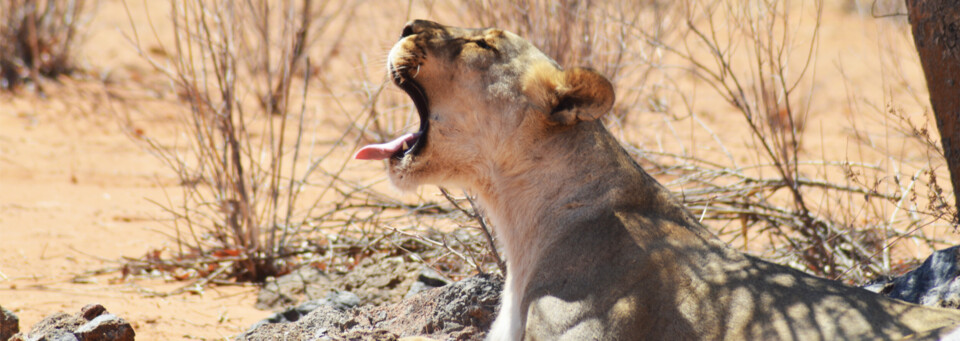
(935, 283)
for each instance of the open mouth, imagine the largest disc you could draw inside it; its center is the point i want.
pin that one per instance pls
(408, 144)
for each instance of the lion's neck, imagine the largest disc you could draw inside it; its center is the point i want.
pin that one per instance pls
(535, 198)
(582, 167)
(516, 215)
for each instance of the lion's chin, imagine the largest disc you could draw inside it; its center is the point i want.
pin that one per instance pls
(402, 175)
(411, 172)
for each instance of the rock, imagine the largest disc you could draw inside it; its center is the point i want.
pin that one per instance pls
(461, 311)
(9, 324)
(92, 323)
(934, 283)
(341, 300)
(106, 327)
(53, 327)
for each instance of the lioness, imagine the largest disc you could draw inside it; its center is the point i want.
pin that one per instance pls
(596, 249)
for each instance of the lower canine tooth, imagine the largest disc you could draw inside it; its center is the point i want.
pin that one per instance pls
(405, 145)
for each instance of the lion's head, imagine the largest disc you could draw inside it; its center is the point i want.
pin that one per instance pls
(485, 97)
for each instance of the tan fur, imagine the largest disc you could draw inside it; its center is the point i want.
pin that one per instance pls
(596, 248)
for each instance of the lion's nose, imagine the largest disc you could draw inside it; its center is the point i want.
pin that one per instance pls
(407, 30)
(418, 26)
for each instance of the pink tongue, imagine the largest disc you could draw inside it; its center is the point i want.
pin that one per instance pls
(384, 150)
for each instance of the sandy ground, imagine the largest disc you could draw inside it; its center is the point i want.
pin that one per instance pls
(75, 196)
(74, 199)
(76, 193)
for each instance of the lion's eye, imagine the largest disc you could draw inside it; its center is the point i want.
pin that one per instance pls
(483, 44)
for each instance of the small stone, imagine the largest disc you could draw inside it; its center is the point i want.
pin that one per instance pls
(432, 278)
(343, 300)
(415, 289)
(91, 311)
(427, 279)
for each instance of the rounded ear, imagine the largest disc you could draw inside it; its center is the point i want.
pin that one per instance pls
(582, 95)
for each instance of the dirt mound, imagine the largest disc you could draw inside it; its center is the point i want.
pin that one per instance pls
(461, 311)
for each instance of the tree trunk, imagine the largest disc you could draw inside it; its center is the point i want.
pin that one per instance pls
(936, 32)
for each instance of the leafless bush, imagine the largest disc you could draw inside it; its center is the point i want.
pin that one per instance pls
(764, 92)
(755, 58)
(37, 38)
(246, 166)
(748, 54)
